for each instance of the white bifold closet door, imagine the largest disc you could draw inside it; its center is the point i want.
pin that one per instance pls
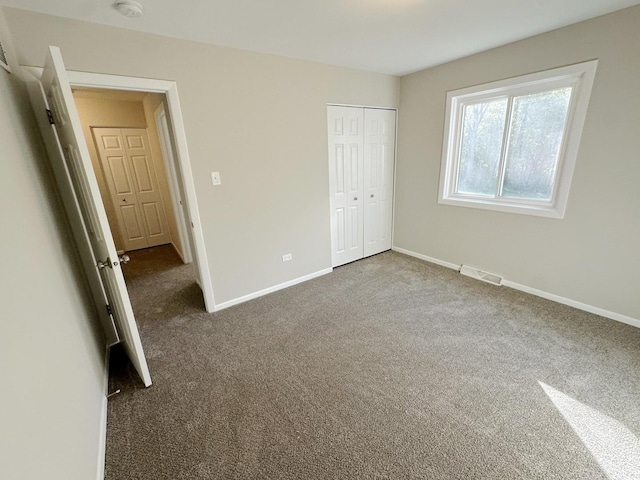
(361, 170)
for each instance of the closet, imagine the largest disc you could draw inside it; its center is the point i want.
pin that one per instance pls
(361, 177)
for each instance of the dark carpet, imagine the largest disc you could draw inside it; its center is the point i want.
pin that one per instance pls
(389, 367)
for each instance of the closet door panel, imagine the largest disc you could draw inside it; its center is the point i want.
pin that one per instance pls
(346, 166)
(380, 128)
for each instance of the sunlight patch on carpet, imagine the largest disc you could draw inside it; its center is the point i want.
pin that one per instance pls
(613, 445)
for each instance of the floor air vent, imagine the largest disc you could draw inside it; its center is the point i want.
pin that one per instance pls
(3, 59)
(481, 275)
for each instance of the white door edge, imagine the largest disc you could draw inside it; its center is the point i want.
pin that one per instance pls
(174, 189)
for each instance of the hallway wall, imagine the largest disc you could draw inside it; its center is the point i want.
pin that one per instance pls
(109, 109)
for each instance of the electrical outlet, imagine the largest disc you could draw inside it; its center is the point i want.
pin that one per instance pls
(287, 257)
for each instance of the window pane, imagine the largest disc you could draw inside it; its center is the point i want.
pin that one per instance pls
(537, 128)
(482, 131)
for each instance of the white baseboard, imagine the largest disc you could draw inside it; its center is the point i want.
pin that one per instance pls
(534, 291)
(177, 250)
(573, 303)
(437, 261)
(275, 288)
(102, 446)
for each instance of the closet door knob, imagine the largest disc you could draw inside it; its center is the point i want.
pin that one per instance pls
(372, 195)
(355, 198)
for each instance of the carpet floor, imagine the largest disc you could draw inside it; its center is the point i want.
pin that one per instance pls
(389, 367)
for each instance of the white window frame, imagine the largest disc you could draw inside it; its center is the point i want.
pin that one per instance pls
(580, 76)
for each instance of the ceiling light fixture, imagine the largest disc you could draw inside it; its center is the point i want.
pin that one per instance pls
(128, 8)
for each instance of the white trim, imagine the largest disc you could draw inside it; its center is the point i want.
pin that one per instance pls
(102, 446)
(534, 291)
(395, 181)
(119, 82)
(182, 152)
(275, 288)
(179, 253)
(442, 263)
(351, 105)
(170, 90)
(162, 126)
(580, 77)
(573, 303)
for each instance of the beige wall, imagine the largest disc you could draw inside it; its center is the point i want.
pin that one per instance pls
(98, 112)
(52, 364)
(259, 120)
(593, 254)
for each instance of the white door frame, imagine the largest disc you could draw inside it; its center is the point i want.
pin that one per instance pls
(183, 163)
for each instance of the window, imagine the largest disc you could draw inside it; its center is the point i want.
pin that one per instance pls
(511, 145)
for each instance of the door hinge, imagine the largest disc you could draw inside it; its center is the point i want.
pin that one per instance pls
(50, 116)
(109, 311)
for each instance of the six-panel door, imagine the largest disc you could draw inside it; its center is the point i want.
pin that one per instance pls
(130, 175)
(76, 154)
(361, 170)
(379, 163)
(346, 163)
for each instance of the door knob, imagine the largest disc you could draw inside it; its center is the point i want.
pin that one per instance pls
(355, 198)
(372, 195)
(125, 259)
(104, 264)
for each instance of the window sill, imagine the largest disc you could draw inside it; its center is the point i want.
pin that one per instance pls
(548, 211)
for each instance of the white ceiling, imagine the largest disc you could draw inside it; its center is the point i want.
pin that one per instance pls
(388, 36)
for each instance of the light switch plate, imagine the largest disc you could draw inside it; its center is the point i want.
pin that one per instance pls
(215, 178)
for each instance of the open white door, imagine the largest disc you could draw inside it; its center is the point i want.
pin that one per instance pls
(72, 207)
(78, 162)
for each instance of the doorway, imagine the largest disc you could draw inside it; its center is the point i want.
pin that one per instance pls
(171, 113)
(50, 92)
(124, 145)
(131, 152)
